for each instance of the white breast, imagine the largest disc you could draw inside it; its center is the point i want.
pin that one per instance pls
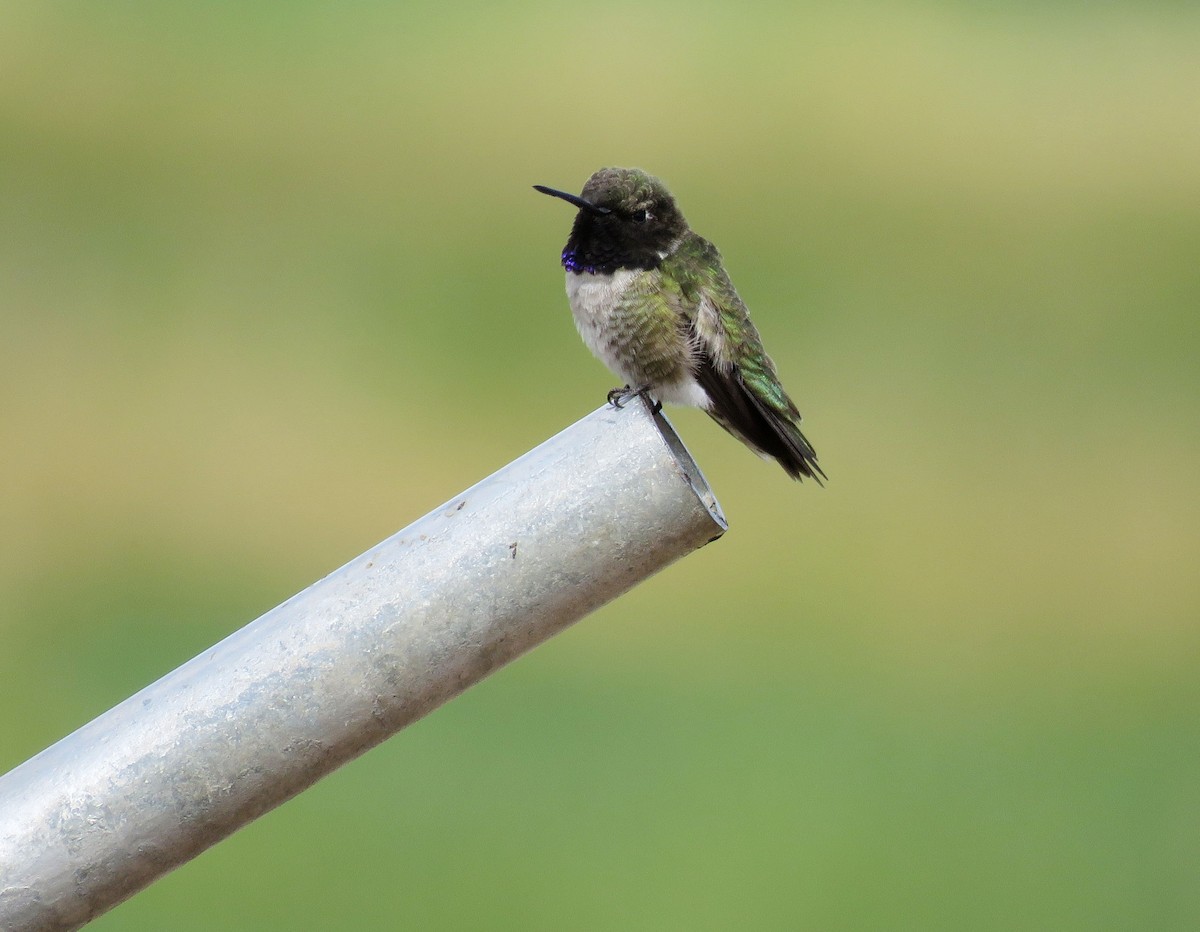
(593, 300)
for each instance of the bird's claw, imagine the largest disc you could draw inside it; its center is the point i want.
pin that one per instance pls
(619, 396)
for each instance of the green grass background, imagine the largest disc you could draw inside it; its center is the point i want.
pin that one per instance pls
(273, 283)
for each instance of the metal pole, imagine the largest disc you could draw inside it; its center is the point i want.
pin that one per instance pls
(345, 664)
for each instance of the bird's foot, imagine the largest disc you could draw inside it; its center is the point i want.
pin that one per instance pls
(618, 397)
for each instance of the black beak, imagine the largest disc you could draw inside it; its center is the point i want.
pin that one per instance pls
(573, 199)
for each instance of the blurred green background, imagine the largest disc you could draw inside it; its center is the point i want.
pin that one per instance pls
(273, 283)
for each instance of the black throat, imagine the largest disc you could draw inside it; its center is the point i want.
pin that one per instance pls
(593, 249)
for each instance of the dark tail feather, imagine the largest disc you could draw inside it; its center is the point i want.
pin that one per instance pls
(757, 424)
(791, 448)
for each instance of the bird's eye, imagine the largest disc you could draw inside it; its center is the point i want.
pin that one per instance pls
(641, 216)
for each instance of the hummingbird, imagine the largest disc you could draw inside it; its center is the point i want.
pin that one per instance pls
(652, 300)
